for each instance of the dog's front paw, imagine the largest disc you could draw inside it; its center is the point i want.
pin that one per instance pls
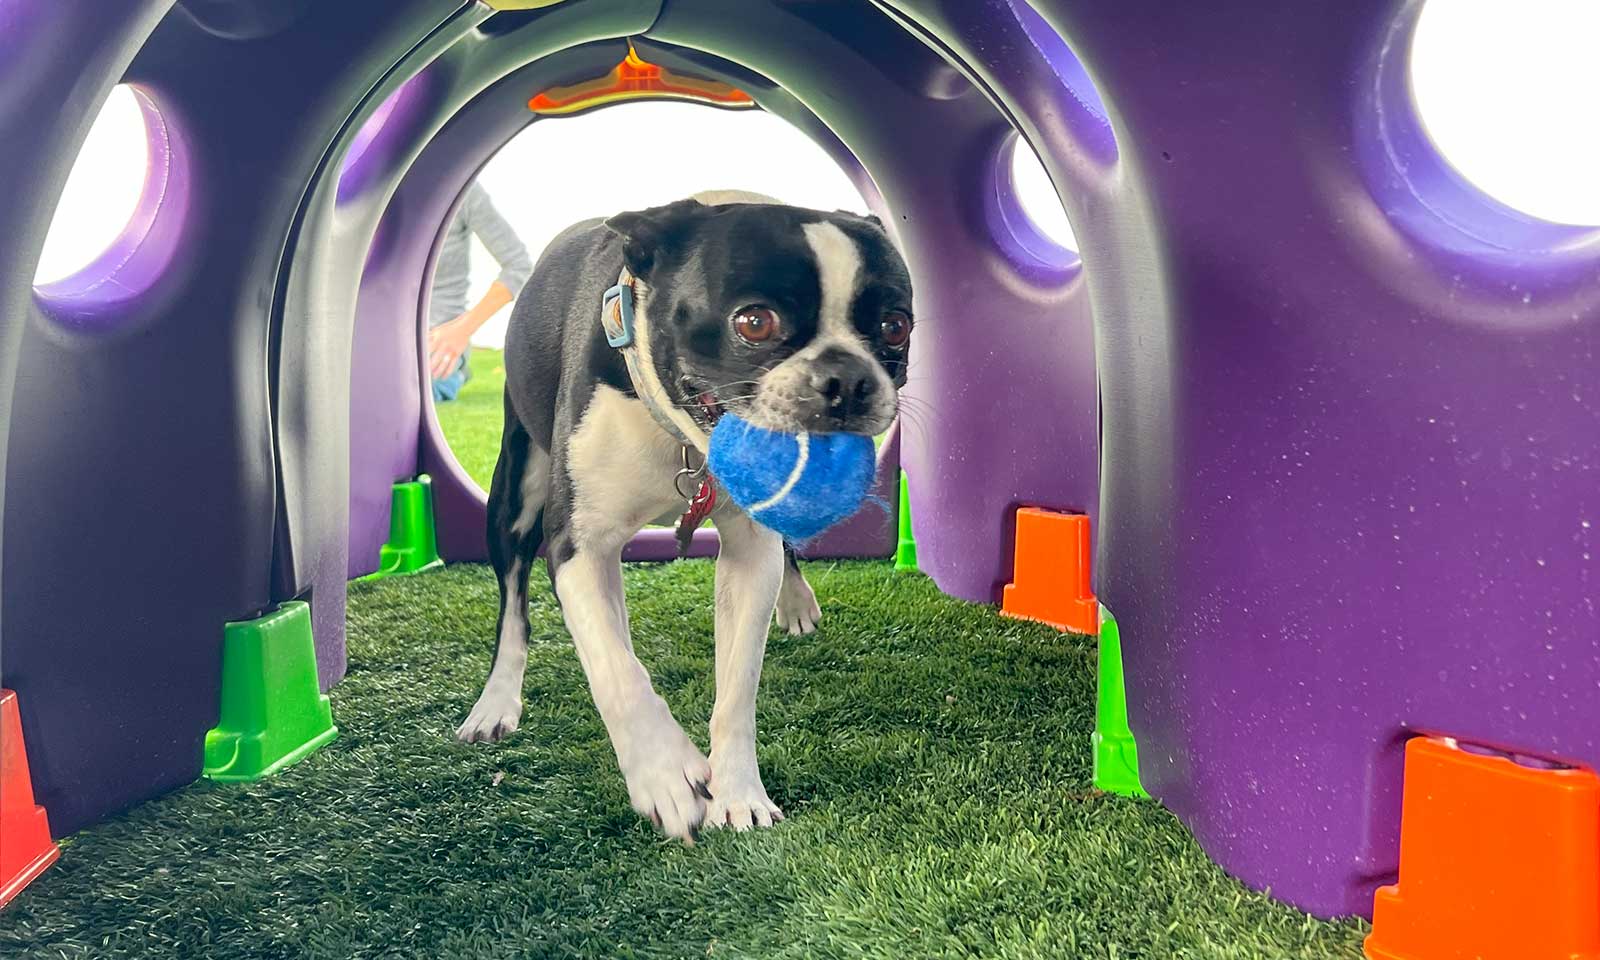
(797, 610)
(738, 799)
(665, 772)
(494, 717)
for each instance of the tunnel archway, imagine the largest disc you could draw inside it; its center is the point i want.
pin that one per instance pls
(1340, 428)
(967, 203)
(567, 166)
(1023, 281)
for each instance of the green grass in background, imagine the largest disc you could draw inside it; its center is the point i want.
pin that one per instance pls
(471, 422)
(932, 757)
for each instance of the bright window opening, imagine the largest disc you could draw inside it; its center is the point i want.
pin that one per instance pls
(1508, 92)
(1037, 197)
(563, 170)
(102, 191)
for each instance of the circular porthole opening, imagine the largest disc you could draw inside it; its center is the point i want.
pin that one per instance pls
(1506, 93)
(1037, 197)
(1026, 217)
(580, 175)
(103, 190)
(120, 222)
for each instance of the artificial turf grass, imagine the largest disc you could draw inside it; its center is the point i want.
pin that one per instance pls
(932, 759)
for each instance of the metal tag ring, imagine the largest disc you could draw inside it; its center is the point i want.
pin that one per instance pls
(694, 484)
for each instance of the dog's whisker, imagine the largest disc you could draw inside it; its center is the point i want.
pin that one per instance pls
(736, 383)
(695, 405)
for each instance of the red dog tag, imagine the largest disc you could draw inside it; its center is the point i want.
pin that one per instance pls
(705, 500)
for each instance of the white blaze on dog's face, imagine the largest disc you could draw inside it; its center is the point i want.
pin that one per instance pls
(796, 320)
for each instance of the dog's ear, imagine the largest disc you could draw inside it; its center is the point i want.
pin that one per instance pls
(871, 218)
(645, 233)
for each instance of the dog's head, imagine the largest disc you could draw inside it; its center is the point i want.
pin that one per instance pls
(796, 320)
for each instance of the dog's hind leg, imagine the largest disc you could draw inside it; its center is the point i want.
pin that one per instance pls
(797, 610)
(517, 497)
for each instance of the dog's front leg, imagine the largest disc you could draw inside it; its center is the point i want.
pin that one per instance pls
(749, 573)
(665, 772)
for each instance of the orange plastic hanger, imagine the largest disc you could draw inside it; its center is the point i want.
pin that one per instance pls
(637, 79)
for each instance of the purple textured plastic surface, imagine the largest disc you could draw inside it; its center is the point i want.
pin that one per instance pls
(1351, 428)
(150, 477)
(1351, 436)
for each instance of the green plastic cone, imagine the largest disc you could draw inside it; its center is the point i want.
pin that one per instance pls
(1116, 755)
(273, 713)
(905, 554)
(413, 543)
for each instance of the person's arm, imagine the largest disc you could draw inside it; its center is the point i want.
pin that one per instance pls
(499, 239)
(448, 341)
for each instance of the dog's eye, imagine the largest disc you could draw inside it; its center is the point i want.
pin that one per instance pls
(896, 330)
(757, 324)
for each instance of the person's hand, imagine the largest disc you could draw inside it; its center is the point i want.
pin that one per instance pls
(446, 344)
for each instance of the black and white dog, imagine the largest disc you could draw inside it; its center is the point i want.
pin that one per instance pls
(797, 320)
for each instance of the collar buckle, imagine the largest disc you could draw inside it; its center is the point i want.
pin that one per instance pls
(618, 323)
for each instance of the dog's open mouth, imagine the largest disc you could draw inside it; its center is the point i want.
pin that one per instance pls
(701, 400)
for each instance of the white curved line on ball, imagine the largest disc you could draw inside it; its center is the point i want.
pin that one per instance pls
(804, 442)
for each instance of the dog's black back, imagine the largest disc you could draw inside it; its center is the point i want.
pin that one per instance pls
(554, 335)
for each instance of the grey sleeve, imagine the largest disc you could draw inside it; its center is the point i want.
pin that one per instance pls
(496, 235)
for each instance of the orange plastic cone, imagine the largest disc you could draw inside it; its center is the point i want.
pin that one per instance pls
(1498, 861)
(1050, 582)
(25, 845)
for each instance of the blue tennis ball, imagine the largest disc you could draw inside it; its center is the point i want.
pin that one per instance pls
(797, 484)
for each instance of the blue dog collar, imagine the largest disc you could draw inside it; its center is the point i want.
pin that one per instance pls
(618, 327)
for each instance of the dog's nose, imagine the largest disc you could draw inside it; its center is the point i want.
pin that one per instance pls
(846, 384)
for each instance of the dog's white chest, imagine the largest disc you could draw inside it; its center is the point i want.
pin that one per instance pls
(622, 465)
